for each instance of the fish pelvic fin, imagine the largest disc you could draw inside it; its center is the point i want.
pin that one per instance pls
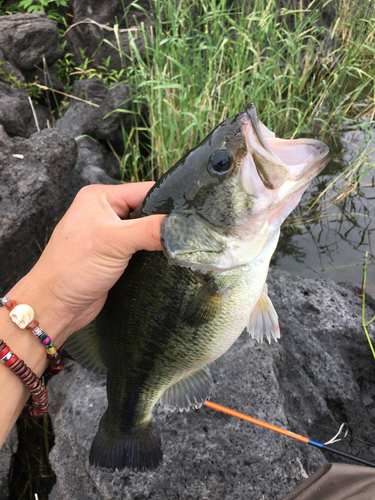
(191, 391)
(137, 448)
(84, 348)
(205, 305)
(264, 319)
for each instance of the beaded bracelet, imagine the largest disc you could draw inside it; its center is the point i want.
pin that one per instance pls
(32, 382)
(23, 316)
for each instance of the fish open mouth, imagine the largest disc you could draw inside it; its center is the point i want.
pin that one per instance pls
(277, 159)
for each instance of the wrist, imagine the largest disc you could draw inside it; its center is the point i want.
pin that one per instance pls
(48, 312)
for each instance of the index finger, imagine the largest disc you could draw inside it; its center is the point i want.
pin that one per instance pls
(126, 197)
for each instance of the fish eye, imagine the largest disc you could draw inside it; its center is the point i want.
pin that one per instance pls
(220, 162)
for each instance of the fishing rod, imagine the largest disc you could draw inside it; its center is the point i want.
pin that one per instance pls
(280, 430)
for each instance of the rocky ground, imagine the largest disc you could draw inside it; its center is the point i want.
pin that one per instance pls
(318, 376)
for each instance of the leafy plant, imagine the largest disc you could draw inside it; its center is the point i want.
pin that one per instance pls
(31, 90)
(38, 5)
(104, 71)
(30, 6)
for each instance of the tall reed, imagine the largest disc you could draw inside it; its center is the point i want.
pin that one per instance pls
(204, 61)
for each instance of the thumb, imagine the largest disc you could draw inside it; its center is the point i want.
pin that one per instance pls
(143, 233)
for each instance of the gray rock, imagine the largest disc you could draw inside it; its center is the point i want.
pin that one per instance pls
(96, 175)
(96, 163)
(26, 38)
(93, 9)
(35, 191)
(92, 119)
(97, 38)
(319, 375)
(94, 160)
(106, 124)
(6, 452)
(16, 115)
(7, 68)
(15, 110)
(79, 114)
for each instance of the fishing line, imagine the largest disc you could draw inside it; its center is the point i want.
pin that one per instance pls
(274, 428)
(347, 435)
(343, 431)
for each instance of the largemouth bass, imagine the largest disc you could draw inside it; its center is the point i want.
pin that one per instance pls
(172, 314)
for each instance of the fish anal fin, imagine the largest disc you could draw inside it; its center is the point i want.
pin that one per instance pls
(205, 305)
(190, 391)
(264, 320)
(84, 348)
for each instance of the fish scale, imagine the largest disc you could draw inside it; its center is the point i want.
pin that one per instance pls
(170, 314)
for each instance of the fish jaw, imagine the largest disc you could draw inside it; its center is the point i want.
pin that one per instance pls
(277, 171)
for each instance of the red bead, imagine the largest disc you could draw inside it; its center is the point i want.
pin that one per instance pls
(33, 324)
(12, 360)
(4, 351)
(10, 304)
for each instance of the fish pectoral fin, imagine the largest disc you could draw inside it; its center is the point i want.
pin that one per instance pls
(192, 390)
(83, 347)
(205, 305)
(264, 320)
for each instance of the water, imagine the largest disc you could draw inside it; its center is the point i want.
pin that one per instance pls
(331, 242)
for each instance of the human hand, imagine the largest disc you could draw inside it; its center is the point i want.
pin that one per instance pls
(87, 253)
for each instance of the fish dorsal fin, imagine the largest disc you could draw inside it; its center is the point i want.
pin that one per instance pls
(83, 346)
(192, 390)
(206, 304)
(264, 319)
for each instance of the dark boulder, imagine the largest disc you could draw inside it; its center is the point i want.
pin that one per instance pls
(15, 110)
(104, 122)
(94, 32)
(95, 161)
(16, 115)
(38, 181)
(79, 114)
(26, 38)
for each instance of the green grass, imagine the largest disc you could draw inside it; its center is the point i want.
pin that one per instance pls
(205, 61)
(365, 323)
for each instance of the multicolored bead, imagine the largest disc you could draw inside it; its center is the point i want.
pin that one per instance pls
(4, 351)
(10, 304)
(7, 356)
(52, 350)
(23, 316)
(38, 331)
(33, 324)
(12, 360)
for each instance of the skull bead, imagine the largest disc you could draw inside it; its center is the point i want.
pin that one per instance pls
(22, 315)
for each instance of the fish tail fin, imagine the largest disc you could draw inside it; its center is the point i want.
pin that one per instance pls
(137, 448)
